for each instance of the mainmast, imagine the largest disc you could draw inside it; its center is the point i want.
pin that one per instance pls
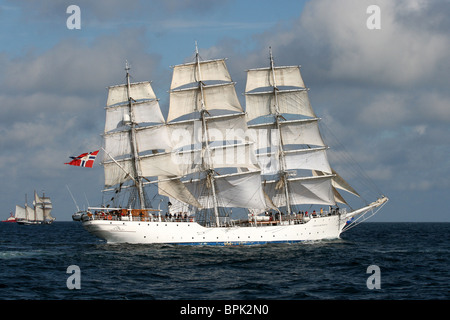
(221, 159)
(205, 145)
(133, 144)
(283, 172)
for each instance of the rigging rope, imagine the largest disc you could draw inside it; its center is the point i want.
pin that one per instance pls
(347, 157)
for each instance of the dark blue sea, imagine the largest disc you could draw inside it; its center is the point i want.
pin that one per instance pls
(413, 261)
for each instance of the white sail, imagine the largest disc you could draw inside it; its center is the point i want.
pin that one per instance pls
(138, 91)
(118, 143)
(294, 132)
(147, 139)
(311, 190)
(233, 156)
(176, 190)
(153, 138)
(20, 212)
(180, 163)
(269, 163)
(223, 156)
(285, 76)
(288, 101)
(240, 190)
(308, 159)
(120, 171)
(117, 172)
(338, 197)
(175, 206)
(304, 159)
(215, 97)
(39, 211)
(210, 70)
(219, 129)
(339, 183)
(144, 112)
(31, 216)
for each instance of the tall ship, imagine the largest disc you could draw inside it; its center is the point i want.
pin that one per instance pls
(228, 177)
(39, 213)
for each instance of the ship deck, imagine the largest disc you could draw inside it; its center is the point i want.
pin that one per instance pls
(146, 216)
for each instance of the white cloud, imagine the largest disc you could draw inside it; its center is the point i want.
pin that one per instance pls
(383, 92)
(334, 36)
(52, 107)
(73, 66)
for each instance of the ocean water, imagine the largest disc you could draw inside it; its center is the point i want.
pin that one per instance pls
(413, 261)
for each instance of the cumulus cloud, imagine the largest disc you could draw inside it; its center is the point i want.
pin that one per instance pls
(396, 55)
(52, 103)
(383, 92)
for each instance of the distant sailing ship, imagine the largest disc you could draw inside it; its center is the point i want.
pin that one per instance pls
(40, 213)
(206, 160)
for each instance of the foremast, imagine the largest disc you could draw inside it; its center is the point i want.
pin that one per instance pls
(288, 151)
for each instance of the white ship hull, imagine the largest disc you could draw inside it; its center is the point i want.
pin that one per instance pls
(125, 230)
(191, 233)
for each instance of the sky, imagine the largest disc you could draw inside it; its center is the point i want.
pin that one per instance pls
(380, 92)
